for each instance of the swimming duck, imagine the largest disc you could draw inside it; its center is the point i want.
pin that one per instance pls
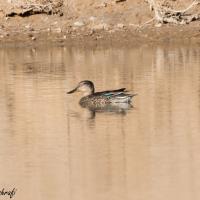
(92, 98)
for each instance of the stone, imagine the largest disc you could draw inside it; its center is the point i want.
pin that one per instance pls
(92, 18)
(158, 25)
(120, 26)
(28, 26)
(78, 23)
(103, 5)
(99, 27)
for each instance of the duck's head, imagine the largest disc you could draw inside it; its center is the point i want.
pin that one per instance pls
(86, 87)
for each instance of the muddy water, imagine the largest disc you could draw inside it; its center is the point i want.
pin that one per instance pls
(51, 148)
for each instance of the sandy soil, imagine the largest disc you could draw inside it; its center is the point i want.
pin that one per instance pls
(89, 21)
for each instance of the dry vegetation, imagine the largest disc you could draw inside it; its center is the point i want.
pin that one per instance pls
(27, 8)
(164, 14)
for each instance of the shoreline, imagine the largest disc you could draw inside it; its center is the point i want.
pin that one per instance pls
(125, 36)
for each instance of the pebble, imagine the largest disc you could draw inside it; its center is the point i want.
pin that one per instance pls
(102, 5)
(158, 25)
(120, 26)
(102, 26)
(33, 38)
(78, 23)
(28, 26)
(92, 18)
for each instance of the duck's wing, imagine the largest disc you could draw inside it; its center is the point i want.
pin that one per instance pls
(117, 96)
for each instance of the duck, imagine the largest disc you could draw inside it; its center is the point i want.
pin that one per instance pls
(92, 98)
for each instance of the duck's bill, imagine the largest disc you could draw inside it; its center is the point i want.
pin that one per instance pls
(72, 91)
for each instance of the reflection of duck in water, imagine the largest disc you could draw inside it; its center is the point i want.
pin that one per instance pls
(103, 101)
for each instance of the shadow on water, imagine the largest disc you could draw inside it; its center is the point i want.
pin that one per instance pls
(89, 113)
(118, 108)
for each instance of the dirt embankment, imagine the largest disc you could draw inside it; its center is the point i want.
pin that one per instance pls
(108, 21)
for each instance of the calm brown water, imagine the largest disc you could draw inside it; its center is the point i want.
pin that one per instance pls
(51, 148)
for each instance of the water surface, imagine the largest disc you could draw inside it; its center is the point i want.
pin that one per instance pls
(51, 148)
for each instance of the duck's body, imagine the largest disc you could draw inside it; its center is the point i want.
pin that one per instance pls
(92, 98)
(107, 97)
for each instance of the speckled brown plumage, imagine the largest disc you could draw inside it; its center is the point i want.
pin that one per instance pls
(92, 100)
